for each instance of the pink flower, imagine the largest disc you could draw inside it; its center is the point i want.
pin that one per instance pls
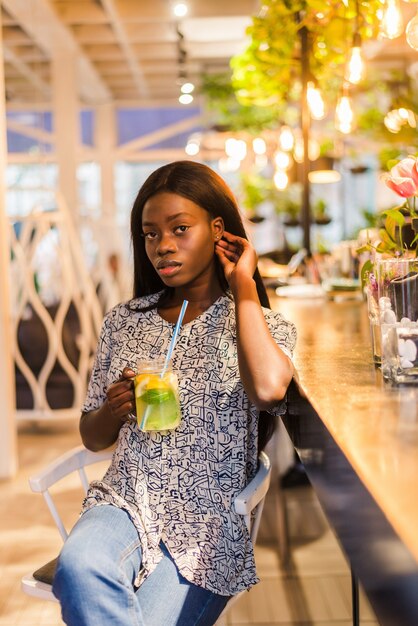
(403, 178)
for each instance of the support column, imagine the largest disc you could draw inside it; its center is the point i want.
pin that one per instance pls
(66, 125)
(105, 142)
(8, 443)
(305, 121)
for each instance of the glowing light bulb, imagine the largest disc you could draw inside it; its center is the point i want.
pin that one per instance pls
(281, 180)
(392, 21)
(241, 150)
(355, 65)
(412, 120)
(282, 160)
(314, 149)
(192, 148)
(193, 144)
(412, 32)
(187, 88)
(236, 149)
(180, 9)
(315, 102)
(185, 98)
(259, 145)
(344, 116)
(392, 122)
(286, 139)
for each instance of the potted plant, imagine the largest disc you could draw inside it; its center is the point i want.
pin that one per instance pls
(319, 212)
(287, 203)
(254, 191)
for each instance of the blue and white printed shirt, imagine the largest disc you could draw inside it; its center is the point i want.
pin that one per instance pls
(179, 487)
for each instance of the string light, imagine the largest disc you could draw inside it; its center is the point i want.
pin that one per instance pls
(286, 139)
(282, 160)
(315, 101)
(314, 150)
(259, 146)
(412, 32)
(236, 148)
(355, 65)
(344, 115)
(396, 118)
(280, 180)
(392, 21)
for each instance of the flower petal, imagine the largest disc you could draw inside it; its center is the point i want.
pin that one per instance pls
(404, 187)
(403, 168)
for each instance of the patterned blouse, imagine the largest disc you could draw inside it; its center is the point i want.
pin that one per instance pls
(179, 487)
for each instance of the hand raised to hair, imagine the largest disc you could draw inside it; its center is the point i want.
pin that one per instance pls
(121, 397)
(237, 257)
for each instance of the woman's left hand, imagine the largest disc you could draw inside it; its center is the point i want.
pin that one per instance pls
(237, 257)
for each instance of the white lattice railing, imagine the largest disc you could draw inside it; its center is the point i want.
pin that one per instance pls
(56, 314)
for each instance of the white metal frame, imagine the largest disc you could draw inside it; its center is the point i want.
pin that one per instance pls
(75, 287)
(249, 503)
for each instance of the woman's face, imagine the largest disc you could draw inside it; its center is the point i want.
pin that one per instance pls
(179, 239)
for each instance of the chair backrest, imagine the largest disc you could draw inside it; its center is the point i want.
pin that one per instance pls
(75, 460)
(248, 503)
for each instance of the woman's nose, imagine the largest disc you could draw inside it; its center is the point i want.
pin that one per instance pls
(166, 244)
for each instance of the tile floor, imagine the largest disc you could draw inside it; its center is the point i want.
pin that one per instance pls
(313, 590)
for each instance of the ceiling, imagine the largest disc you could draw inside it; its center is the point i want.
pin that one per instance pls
(126, 50)
(134, 51)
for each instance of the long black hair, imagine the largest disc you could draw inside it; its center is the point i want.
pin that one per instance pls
(200, 184)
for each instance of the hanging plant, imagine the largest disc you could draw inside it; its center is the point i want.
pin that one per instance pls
(266, 73)
(224, 111)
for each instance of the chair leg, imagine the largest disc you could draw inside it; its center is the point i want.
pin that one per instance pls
(281, 523)
(355, 599)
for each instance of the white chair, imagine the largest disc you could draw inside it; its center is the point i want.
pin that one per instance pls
(249, 503)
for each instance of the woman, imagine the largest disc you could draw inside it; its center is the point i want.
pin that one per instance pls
(158, 542)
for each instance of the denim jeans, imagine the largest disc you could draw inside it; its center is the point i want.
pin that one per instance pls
(97, 568)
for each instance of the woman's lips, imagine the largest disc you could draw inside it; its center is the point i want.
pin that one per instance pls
(169, 269)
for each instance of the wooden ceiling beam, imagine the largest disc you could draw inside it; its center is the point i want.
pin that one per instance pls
(84, 12)
(25, 71)
(80, 12)
(50, 35)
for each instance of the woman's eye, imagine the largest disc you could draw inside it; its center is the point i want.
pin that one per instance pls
(181, 229)
(149, 235)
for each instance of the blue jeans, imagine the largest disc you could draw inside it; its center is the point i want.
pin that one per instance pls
(96, 571)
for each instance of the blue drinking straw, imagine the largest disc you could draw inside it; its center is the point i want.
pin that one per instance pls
(169, 353)
(174, 337)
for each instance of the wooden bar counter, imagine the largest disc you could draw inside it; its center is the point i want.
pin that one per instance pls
(358, 439)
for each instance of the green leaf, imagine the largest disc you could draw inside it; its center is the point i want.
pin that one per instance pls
(367, 268)
(414, 241)
(390, 244)
(157, 396)
(395, 215)
(366, 248)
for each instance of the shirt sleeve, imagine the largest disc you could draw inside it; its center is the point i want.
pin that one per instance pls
(96, 390)
(284, 334)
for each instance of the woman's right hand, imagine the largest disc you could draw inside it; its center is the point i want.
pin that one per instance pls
(121, 396)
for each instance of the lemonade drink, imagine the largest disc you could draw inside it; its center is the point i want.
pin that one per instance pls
(157, 403)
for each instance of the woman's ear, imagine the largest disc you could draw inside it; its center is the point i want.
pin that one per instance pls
(217, 228)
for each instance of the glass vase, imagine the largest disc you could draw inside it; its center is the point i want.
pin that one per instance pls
(397, 282)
